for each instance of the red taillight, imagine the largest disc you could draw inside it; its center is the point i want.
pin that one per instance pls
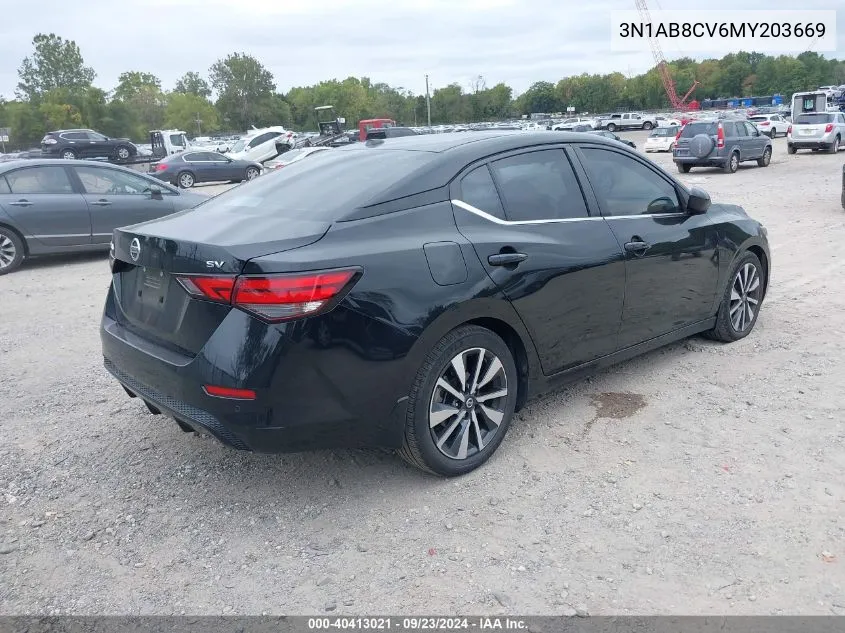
(720, 137)
(228, 392)
(161, 167)
(273, 297)
(789, 130)
(678, 135)
(828, 128)
(764, 123)
(280, 297)
(214, 288)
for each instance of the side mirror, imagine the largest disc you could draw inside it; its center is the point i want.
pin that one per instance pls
(698, 201)
(155, 193)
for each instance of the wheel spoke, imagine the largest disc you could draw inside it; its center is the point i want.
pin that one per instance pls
(460, 368)
(735, 296)
(477, 373)
(464, 445)
(478, 438)
(440, 413)
(754, 284)
(441, 382)
(752, 300)
(736, 307)
(494, 416)
(448, 432)
(499, 393)
(494, 368)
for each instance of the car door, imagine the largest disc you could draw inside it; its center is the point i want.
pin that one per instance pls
(45, 203)
(224, 168)
(561, 268)
(200, 166)
(77, 141)
(755, 140)
(98, 145)
(119, 197)
(672, 264)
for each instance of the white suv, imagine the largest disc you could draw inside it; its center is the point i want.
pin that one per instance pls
(770, 124)
(816, 130)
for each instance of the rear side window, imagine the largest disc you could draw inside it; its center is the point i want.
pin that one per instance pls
(478, 189)
(814, 118)
(75, 136)
(699, 127)
(539, 186)
(34, 180)
(731, 130)
(327, 187)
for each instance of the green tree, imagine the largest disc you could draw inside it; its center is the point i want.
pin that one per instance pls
(540, 97)
(55, 63)
(183, 110)
(245, 90)
(192, 83)
(133, 83)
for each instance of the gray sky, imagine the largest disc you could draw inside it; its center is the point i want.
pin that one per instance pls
(306, 41)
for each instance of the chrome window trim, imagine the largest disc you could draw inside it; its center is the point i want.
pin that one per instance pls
(491, 218)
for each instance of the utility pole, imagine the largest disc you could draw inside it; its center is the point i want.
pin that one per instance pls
(427, 101)
(198, 120)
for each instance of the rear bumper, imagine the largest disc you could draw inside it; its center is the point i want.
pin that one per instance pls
(710, 161)
(821, 143)
(308, 396)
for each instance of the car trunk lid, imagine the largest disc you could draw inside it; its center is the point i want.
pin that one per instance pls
(149, 257)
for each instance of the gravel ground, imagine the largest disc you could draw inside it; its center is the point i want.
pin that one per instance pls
(699, 479)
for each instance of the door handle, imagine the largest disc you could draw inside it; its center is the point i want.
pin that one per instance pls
(506, 259)
(101, 203)
(637, 246)
(21, 203)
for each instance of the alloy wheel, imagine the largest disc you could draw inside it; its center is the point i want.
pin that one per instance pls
(68, 155)
(186, 180)
(123, 153)
(745, 297)
(7, 251)
(734, 162)
(251, 173)
(468, 403)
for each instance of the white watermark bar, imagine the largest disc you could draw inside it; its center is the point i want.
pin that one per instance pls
(687, 31)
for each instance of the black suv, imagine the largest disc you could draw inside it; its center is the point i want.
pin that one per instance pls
(72, 144)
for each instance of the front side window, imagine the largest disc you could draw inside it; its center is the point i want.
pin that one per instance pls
(625, 186)
(35, 180)
(539, 185)
(479, 190)
(105, 181)
(94, 136)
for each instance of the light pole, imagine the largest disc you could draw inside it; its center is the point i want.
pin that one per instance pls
(427, 101)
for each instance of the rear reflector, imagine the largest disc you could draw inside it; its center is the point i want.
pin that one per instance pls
(274, 297)
(228, 392)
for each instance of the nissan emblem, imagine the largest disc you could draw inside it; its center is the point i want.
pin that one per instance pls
(135, 250)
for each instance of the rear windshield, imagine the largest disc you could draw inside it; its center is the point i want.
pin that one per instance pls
(664, 131)
(758, 118)
(699, 127)
(326, 187)
(814, 118)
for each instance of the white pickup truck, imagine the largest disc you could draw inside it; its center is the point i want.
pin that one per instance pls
(626, 121)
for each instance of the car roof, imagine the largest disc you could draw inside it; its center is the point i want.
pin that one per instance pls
(41, 162)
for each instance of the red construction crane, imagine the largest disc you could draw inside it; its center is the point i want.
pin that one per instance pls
(662, 67)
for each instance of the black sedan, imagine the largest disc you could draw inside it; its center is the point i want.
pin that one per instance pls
(57, 206)
(185, 169)
(415, 292)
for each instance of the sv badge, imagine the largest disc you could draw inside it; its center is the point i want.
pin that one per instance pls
(214, 264)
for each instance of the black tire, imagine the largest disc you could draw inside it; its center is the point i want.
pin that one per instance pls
(684, 167)
(773, 133)
(69, 154)
(251, 173)
(122, 153)
(185, 179)
(647, 125)
(834, 147)
(766, 158)
(725, 329)
(12, 250)
(732, 164)
(791, 149)
(420, 447)
(611, 127)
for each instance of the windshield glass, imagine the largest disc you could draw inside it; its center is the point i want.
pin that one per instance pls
(699, 127)
(814, 118)
(239, 146)
(299, 191)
